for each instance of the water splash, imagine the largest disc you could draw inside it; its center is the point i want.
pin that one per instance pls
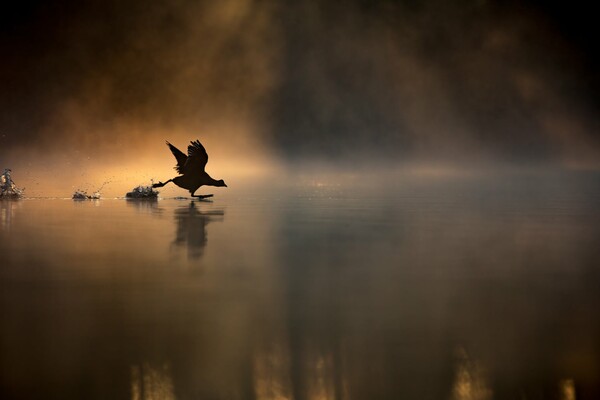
(8, 189)
(142, 192)
(82, 195)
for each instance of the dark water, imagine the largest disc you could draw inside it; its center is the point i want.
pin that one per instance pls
(453, 290)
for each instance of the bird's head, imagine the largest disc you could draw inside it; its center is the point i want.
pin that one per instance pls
(221, 182)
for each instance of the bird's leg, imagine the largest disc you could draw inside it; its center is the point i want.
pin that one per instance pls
(200, 196)
(160, 184)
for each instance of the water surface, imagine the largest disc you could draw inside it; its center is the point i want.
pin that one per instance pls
(434, 290)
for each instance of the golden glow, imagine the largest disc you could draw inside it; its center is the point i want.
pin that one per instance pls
(271, 380)
(469, 381)
(321, 387)
(567, 389)
(234, 154)
(151, 383)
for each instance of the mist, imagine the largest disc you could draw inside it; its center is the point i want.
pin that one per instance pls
(91, 91)
(410, 210)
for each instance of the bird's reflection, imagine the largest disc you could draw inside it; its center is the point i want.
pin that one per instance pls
(191, 228)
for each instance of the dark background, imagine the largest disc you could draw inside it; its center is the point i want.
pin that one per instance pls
(512, 82)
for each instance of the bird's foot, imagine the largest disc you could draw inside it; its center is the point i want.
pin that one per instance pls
(159, 184)
(202, 196)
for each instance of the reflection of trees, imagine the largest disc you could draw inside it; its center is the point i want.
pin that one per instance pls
(439, 302)
(191, 228)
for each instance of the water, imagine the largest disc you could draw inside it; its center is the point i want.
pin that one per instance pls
(435, 290)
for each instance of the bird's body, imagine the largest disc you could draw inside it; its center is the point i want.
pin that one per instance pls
(194, 182)
(191, 168)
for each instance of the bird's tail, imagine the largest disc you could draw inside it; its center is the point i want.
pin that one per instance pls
(161, 184)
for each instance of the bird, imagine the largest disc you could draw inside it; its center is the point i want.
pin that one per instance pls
(191, 168)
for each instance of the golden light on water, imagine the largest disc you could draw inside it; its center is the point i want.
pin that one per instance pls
(567, 389)
(469, 382)
(150, 382)
(271, 380)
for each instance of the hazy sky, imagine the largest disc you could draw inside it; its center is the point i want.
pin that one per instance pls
(99, 85)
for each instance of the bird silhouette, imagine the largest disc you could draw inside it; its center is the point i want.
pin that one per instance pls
(191, 168)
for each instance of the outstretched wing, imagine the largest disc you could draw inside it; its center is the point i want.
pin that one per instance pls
(181, 158)
(196, 159)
